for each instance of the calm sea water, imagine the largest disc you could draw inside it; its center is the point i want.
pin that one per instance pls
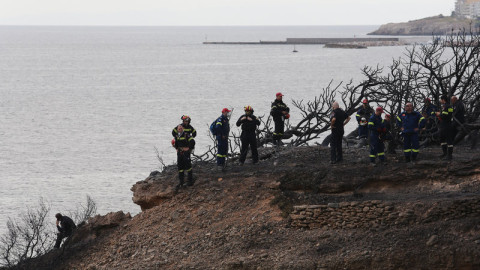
(82, 108)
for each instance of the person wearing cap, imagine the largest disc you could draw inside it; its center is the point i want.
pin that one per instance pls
(338, 119)
(447, 130)
(186, 127)
(429, 108)
(222, 130)
(249, 123)
(279, 111)
(65, 227)
(378, 131)
(184, 143)
(410, 122)
(363, 114)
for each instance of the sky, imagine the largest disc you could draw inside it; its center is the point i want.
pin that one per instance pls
(218, 12)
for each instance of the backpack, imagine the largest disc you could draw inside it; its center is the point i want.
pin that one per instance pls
(213, 130)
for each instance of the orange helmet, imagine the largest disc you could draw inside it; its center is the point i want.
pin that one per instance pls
(186, 118)
(248, 108)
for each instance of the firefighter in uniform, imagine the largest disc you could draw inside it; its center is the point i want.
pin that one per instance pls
(249, 123)
(429, 108)
(376, 126)
(458, 116)
(410, 122)
(363, 114)
(279, 111)
(186, 127)
(338, 119)
(447, 130)
(222, 129)
(184, 143)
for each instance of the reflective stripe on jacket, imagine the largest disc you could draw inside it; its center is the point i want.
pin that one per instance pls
(410, 121)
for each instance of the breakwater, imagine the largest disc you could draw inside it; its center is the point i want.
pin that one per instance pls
(305, 41)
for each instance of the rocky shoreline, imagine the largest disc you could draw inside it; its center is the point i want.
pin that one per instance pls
(437, 25)
(293, 211)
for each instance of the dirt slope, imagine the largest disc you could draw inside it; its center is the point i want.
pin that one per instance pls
(242, 219)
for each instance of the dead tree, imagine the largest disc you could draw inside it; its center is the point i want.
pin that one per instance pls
(447, 66)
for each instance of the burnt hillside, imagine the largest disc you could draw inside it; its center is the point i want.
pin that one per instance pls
(294, 211)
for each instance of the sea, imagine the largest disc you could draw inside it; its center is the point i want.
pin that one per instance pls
(83, 109)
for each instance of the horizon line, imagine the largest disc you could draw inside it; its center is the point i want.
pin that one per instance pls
(233, 25)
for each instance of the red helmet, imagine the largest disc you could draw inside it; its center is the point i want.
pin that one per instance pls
(173, 142)
(186, 118)
(380, 109)
(365, 101)
(225, 110)
(279, 94)
(248, 108)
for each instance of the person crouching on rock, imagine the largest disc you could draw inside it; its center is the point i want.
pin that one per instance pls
(184, 143)
(249, 123)
(65, 227)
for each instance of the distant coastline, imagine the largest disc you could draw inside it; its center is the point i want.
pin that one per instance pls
(437, 25)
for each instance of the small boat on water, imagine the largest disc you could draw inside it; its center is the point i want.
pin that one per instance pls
(294, 50)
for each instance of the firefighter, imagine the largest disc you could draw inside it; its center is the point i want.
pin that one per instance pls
(363, 114)
(222, 129)
(458, 115)
(186, 127)
(184, 143)
(447, 131)
(410, 122)
(249, 123)
(388, 136)
(378, 131)
(279, 111)
(429, 108)
(338, 120)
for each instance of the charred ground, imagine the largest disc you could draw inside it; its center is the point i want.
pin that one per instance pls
(245, 218)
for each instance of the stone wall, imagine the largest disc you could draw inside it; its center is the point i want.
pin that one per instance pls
(375, 213)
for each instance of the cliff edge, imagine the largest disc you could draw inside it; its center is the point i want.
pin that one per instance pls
(293, 211)
(437, 25)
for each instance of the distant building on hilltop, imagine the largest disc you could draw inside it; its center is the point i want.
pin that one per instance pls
(467, 8)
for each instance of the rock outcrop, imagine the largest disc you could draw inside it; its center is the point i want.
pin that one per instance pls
(438, 25)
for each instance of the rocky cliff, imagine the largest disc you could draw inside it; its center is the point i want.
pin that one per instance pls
(438, 25)
(293, 211)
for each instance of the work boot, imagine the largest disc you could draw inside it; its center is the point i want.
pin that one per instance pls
(177, 188)
(407, 159)
(450, 153)
(181, 178)
(444, 149)
(190, 179)
(414, 158)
